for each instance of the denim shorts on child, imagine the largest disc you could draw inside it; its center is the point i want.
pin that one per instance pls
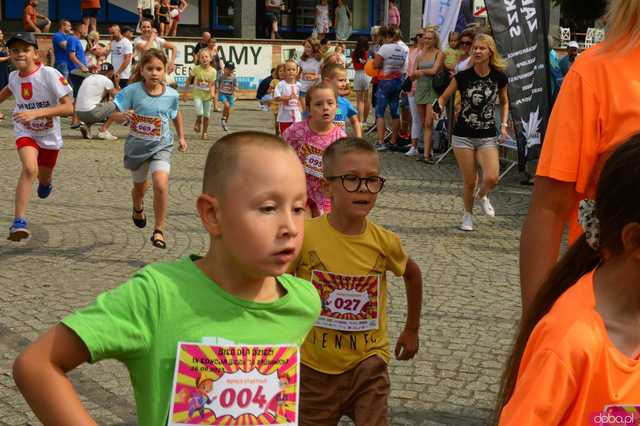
(160, 161)
(361, 393)
(224, 97)
(202, 107)
(473, 143)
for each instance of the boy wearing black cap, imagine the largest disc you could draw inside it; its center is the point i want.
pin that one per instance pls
(93, 105)
(42, 95)
(226, 85)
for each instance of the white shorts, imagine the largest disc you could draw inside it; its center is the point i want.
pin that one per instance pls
(140, 174)
(361, 81)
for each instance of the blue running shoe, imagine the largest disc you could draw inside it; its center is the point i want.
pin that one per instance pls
(19, 229)
(44, 190)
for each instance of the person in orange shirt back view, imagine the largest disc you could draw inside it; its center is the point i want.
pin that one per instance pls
(577, 353)
(598, 107)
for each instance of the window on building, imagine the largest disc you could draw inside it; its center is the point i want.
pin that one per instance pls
(223, 13)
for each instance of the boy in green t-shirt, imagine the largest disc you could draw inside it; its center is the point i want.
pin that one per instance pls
(237, 295)
(203, 76)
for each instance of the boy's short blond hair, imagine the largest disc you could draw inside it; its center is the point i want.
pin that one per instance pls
(226, 153)
(344, 146)
(329, 70)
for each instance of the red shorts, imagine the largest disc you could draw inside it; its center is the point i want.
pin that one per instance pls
(46, 157)
(283, 126)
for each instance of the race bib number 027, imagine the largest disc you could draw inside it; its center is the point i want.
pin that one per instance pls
(349, 302)
(235, 385)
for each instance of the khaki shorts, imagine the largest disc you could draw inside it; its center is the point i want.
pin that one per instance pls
(360, 393)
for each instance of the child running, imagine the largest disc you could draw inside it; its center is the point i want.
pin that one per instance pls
(204, 90)
(226, 85)
(238, 293)
(281, 74)
(346, 257)
(288, 95)
(42, 95)
(576, 355)
(336, 75)
(147, 106)
(311, 137)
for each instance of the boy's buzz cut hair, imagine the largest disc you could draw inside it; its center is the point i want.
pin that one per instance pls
(344, 146)
(329, 70)
(225, 154)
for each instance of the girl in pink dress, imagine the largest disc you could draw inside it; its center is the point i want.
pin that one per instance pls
(311, 137)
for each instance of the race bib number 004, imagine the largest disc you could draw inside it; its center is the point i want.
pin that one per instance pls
(349, 302)
(235, 385)
(146, 127)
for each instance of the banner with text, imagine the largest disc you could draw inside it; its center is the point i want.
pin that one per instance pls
(519, 28)
(444, 14)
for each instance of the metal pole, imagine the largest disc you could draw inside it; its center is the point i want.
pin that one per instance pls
(386, 12)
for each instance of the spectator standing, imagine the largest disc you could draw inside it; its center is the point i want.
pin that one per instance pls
(93, 104)
(273, 8)
(145, 11)
(203, 43)
(569, 58)
(427, 64)
(59, 42)
(177, 8)
(597, 109)
(150, 40)
(78, 70)
(391, 59)
(361, 81)
(90, 9)
(121, 54)
(416, 119)
(322, 19)
(164, 21)
(343, 21)
(32, 20)
(393, 15)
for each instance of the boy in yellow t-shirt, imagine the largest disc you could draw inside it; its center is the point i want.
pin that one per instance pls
(204, 89)
(346, 257)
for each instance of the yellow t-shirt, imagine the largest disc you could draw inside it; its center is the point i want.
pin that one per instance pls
(201, 80)
(349, 271)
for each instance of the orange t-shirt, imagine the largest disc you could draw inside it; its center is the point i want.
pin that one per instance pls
(90, 4)
(570, 370)
(31, 12)
(598, 107)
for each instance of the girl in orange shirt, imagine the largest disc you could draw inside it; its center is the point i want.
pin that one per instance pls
(576, 359)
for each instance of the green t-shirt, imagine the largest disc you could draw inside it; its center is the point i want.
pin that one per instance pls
(201, 80)
(141, 322)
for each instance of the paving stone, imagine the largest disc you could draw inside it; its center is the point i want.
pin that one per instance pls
(84, 243)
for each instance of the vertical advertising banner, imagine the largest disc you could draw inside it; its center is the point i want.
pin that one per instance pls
(444, 14)
(519, 28)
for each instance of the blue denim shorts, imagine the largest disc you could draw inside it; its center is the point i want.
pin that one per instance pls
(388, 93)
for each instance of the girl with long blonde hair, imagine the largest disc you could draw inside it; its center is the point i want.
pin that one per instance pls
(475, 134)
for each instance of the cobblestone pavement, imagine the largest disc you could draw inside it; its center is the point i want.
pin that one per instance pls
(84, 243)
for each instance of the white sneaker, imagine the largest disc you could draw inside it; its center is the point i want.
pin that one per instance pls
(223, 123)
(412, 152)
(467, 222)
(486, 207)
(106, 135)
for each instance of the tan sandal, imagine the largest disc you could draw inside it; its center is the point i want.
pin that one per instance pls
(204, 136)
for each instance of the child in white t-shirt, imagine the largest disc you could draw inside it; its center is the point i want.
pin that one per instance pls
(288, 95)
(42, 95)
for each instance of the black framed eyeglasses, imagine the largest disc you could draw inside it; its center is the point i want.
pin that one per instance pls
(353, 183)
